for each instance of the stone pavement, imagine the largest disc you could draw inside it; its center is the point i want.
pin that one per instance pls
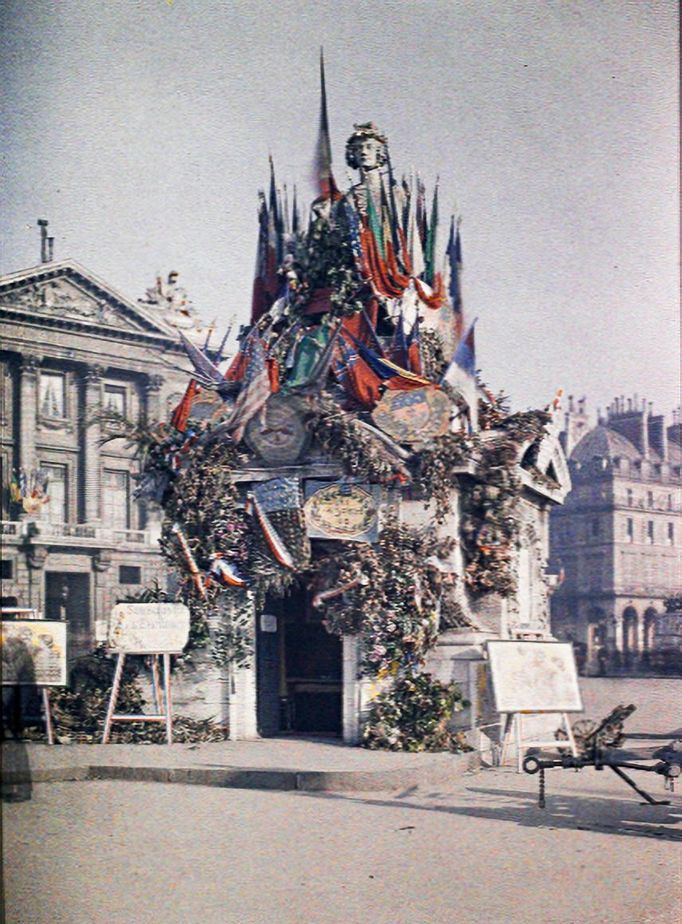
(269, 763)
(479, 850)
(316, 764)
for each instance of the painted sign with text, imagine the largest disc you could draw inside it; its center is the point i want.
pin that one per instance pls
(146, 628)
(33, 652)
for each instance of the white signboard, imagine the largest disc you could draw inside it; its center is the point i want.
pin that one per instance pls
(268, 622)
(33, 652)
(534, 677)
(148, 628)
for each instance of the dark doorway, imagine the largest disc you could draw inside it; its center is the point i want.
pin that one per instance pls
(67, 597)
(299, 667)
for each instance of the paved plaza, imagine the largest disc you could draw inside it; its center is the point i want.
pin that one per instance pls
(476, 850)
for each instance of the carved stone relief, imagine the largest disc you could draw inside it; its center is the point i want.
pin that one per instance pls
(62, 298)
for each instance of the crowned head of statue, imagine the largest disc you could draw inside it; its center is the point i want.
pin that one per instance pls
(367, 148)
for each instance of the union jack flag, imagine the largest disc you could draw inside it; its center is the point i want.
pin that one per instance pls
(255, 389)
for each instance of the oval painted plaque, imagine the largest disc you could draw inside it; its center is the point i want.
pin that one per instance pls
(413, 416)
(342, 511)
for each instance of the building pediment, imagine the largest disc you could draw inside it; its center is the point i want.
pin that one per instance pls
(67, 292)
(548, 472)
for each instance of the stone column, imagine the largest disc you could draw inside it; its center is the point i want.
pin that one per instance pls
(351, 690)
(36, 556)
(242, 706)
(149, 515)
(102, 578)
(242, 692)
(152, 407)
(28, 412)
(91, 473)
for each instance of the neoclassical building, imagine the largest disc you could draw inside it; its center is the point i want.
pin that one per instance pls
(618, 536)
(72, 347)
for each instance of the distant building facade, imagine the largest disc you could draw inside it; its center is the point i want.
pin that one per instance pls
(72, 347)
(617, 540)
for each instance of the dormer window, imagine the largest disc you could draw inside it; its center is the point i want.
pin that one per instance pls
(52, 395)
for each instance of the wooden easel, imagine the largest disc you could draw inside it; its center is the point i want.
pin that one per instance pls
(48, 715)
(162, 701)
(514, 726)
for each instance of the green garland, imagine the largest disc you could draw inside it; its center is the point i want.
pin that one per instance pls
(434, 360)
(324, 260)
(78, 712)
(413, 716)
(394, 604)
(341, 436)
(434, 469)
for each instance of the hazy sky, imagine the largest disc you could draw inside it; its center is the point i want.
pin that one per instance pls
(141, 130)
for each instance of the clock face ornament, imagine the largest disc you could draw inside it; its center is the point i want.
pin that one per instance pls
(278, 435)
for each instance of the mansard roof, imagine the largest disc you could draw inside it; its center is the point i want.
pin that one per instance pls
(66, 294)
(604, 443)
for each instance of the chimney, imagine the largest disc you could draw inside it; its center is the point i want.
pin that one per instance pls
(577, 424)
(674, 433)
(632, 423)
(658, 435)
(42, 224)
(50, 249)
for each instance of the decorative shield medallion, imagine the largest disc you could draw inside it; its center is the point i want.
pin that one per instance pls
(278, 435)
(342, 511)
(209, 405)
(413, 416)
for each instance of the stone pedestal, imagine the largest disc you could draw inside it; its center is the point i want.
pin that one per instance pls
(200, 691)
(243, 718)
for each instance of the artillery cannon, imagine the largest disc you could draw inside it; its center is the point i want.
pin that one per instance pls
(599, 747)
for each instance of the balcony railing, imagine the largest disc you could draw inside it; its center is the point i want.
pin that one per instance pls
(77, 533)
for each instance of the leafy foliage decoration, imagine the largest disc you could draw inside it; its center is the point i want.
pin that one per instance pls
(393, 606)
(414, 715)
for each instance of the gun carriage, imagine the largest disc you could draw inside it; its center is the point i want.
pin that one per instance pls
(599, 747)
